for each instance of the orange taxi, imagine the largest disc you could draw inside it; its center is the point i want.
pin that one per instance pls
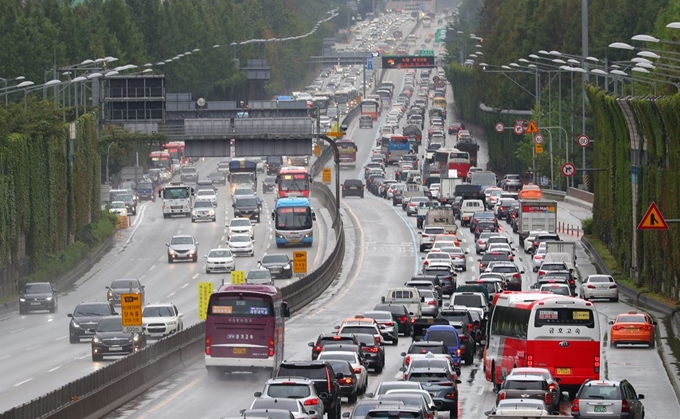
(632, 328)
(530, 191)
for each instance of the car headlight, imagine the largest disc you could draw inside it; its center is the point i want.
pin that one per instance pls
(110, 294)
(48, 299)
(97, 339)
(310, 234)
(171, 251)
(287, 266)
(135, 338)
(279, 235)
(22, 299)
(211, 212)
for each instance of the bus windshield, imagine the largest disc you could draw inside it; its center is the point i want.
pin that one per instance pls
(232, 306)
(293, 218)
(298, 182)
(176, 193)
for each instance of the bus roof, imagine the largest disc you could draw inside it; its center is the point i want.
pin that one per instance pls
(292, 202)
(556, 299)
(507, 298)
(261, 289)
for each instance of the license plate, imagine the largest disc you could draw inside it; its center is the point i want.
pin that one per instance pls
(115, 348)
(563, 371)
(600, 409)
(156, 334)
(239, 351)
(294, 240)
(35, 304)
(353, 187)
(633, 330)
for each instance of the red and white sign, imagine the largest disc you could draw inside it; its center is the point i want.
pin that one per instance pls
(499, 127)
(568, 169)
(538, 139)
(518, 129)
(583, 140)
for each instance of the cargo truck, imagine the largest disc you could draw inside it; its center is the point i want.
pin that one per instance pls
(441, 217)
(242, 173)
(447, 189)
(536, 214)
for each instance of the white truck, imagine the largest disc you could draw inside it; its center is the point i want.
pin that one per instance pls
(562, 248)
(407, 296)
(176, 198)
(536, 214)
(447, 189)
(441, 217)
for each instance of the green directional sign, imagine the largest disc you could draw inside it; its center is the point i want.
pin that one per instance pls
(425, 52)
(440, 35)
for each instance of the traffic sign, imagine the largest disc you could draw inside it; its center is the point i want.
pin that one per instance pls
(131, 311)
(538, 148)
(583, 140)
(300, 262)
(519, 121)
(204, 291)
(653, 220)
(532, 128)
(317, 150)
(326, 175)
(238, 277)
(369, 64)
(422, 52)
(538, 139)
(440, 35)
(335, 134)
(499, 127)
(568, 169)
(518, 129)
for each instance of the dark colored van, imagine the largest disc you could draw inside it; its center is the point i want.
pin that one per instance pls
(353, 187)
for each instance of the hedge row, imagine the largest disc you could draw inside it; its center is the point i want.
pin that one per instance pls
(657, 122)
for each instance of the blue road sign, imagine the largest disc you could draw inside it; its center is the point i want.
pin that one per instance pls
(422, 6)
(369, 64)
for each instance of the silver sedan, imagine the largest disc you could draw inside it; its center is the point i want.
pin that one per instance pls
(599, 287)
(430, 304)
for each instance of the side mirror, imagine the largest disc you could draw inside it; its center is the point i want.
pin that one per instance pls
(273, 215)
(205, 256)
(310, 344)
(345, 414)
(522, 271)
(180, 315)
(242, 411)
(313, 216)
(336, 327)
(107, 287)
(69, 315)
(312, 412)
(641, 396)
(403, 354)
(167, 244)
(369, 395)
(257, 394)
(382, 299)
(197, 243)
(286, 309)
(402, 369)
(558, 379)
(610, 322)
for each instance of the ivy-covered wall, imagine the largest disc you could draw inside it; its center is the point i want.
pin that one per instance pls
(47, 195)
(658, 179)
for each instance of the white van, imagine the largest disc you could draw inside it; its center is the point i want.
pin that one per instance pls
(468, 208)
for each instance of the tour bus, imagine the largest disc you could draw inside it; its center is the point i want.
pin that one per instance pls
(370, 107)
(534, 329)
(448, 159)
(348, 152)
(244, 328)
(176, 150)
(160, 160)
(394, 146)
(293, 222)
(176, 199)
(293, 181)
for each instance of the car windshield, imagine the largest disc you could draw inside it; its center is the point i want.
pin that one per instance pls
(341, 367)
(216, 175)
(608, 392)
(118, 204)
(555, 290)
(189, 170)
(275, 259)
(144, 185)
(468, 300)
(113, 324)
(239, 239)
(438, 255)
(454, 315)
(288, 391)
(219, 253)
(37, 289)
(524, 385)
(358, 329)
(246, 202)
(240, 223)
(125, 283)
(378, 315)
(318, 373)
(158, 311)
(452, 250)
(597, 278)
(504, 269)
(631, 319)
(205, 192)
(428, 377)
(449, 338)
(259, 274)
(202, 203)
(270, 179)
(271, 403)
(182, 240)
(93, 310)
(429, 363)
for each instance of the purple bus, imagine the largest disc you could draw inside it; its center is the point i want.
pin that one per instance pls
(244, 328)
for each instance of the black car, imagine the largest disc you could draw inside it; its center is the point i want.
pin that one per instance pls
(110, 339)
(373, 351)
(123, 286)
(353, 187)
(483, 226)
(86, 317)
(349, 386)
(278, 264)
(331, 338)
(400, 314)
(503, 207)
(325, 380)
(273, 164)
(446, 275)
(145, 190)
(38, 296)
(218, 178)
(493, 256)
(423, 347)
(269, 184)
(441, 385)
(247, 206)
(480, 216)
(436, 283)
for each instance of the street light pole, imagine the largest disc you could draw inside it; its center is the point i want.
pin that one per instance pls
(585, 76)
(107, 161)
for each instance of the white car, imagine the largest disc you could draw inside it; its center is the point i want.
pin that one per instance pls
(386, 386)
(208, 195)
(160, 320)
(529, 241)
(458, 258)
(203, 210)
(539, 256)
(241, 225)
(439, 256)
(353, 358)
(118, 208)
(599, 286)
(219, 260)
(241, 245)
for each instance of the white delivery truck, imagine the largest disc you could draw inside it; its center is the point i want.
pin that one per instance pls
(447, 189)
(536, 214)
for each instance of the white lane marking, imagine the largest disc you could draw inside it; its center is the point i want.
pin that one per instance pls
(184, 286)
(63, 337)
(171, 294)
(222, 238)
(22, 382)
(31, 348)
(17, 330)
(269, 245)
(142, 277)
(83, 356)
(480, 391)
(153, 266)
(49, 320)
(194, 277)
(5, 357)
(55, 368)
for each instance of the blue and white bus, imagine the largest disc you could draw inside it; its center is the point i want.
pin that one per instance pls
(293, 222)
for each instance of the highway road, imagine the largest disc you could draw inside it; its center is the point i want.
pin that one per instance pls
(35, 353)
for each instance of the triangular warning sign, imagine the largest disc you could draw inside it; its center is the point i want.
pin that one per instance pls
(532, 128)
(653, 220)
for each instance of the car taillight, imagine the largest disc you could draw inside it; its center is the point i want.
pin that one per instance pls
(469, 327)
(426, 263)
(548, 398)
(502, 208)
(616, 327)
(625, 407)
(592, 287)
(536, 244)
(501, 395)
(347, 380)
(552, 387)
(372, 349)
(450, 396)
(530, 361)
(311, 402)
(378, 339)
(516, 276)
(458, 352)
(357, 370)
(596, 364)
(538, 257)
(612, 286)
(208, 341)
(574, 406)
(403, 319)
(647, 327)
(477, 230)
(541, 273)
(389, 323)
(407, 360)
(481, 242)
(434, 303)
(572, 282)
(271, 346)
(317, 348)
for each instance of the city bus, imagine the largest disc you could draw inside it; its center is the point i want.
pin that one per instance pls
(533, 329)
(176, 150)
(449, 159)
(394, 146)
(160, 160)
(244, 328)
(370, 107)
(293, 181)
(348, 152)
(293, 222)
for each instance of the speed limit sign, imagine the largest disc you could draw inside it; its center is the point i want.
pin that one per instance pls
(583, 140)
(538, 139)
(518, 129)
(499, 127)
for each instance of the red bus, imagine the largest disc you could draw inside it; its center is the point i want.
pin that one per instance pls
(370, 107)
(160, 160)
(448, 159)
(244, 328)
(348, 152)
(293, 181)
(533, 329)
(176, 150)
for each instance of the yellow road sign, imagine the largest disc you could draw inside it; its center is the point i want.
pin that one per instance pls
(335, 134)
(204, 291)
(317, 150)
(131, 309)
(300, 262)
(238, 277)
(532, 128)
(539, 148)
(326, 175)
(653, 220)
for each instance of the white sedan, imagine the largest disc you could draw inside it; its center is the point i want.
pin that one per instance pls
(439, 256)
(219, 260)
(241, 245)
(118, 208)
(353, 359)
(208, 195)
(599, 286)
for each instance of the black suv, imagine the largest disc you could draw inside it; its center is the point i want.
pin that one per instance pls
(38, 296)
(328, 338)
(462, 321)
(85, 319)
(373, 351)
(247, 206)
(278, 264)
(273, 164)
(400, 315)
(353, 187)
(325, 380)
